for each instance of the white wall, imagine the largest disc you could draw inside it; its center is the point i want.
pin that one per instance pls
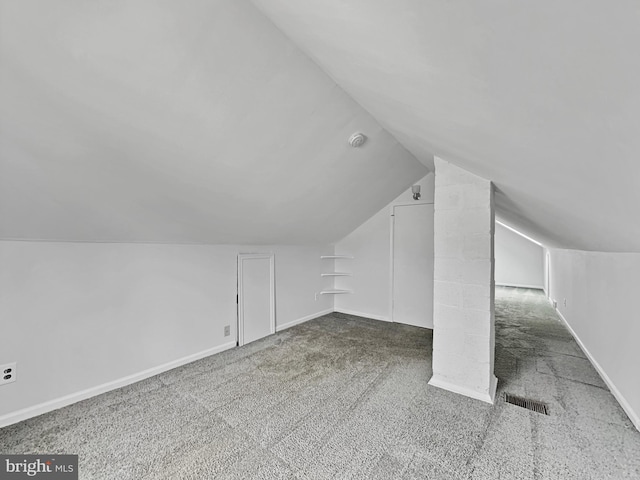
(519, 262)
(76, 316)
(601, 291)
(370, 245)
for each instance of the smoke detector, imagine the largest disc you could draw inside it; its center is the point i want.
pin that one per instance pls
(357, 139)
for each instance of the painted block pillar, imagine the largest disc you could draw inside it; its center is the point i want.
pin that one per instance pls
(463, 304)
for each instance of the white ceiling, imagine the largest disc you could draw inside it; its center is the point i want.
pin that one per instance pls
(194, 122)
(542, 97)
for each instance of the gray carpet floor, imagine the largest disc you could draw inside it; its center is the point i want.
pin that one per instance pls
(347, 397)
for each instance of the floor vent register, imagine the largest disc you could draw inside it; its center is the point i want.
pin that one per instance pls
(532, 405)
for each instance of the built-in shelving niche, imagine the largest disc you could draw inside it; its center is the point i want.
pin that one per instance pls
(334, 291)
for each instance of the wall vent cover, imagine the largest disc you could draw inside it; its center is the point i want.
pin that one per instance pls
(532, 405)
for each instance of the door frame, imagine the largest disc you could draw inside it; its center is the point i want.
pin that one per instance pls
(391, 243)
(242, 257)
(547, 258)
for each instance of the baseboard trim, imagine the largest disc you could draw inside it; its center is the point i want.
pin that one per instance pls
(517, 285)
(284, 326)
(382, 318)
(488, 397)
(34, 411)
(633, 416)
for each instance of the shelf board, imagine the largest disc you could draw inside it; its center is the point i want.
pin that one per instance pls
(334, 292)
(336, 256)
(335, 274)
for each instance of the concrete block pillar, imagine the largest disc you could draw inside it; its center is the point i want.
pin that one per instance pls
(463, 303)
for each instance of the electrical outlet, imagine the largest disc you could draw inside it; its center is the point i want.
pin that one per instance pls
(227, 330)
(316, 296)
(7, 373)
(565, 302)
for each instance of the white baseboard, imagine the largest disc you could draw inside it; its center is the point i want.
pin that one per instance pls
(284, 326)
(633, 416)
(488, 397)
(382, 318)
(34, 411)
(517, 285)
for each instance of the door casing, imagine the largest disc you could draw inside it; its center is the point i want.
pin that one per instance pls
(393, 262)
(246, 257)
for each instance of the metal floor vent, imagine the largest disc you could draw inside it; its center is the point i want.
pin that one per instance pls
(533, 405)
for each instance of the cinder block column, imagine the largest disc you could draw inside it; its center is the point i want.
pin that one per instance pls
(463, 303)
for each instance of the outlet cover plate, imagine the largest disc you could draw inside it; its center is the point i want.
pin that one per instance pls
(8, 369)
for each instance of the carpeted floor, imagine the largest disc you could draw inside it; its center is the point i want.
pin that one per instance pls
(347, 397)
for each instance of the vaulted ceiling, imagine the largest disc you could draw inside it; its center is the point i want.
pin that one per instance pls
(541, 97)
(191, 122)
(203, 121)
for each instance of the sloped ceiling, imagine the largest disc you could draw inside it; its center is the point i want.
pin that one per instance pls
(165, 121)
(542, 97)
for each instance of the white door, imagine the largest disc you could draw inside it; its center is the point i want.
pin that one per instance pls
(412, 257)
(256, 302)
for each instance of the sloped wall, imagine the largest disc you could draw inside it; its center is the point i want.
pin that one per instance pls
(532, 95)
(179, 122)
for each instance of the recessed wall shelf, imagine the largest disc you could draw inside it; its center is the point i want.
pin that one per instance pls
(335, 274)
(334, 292)
(336, 256)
